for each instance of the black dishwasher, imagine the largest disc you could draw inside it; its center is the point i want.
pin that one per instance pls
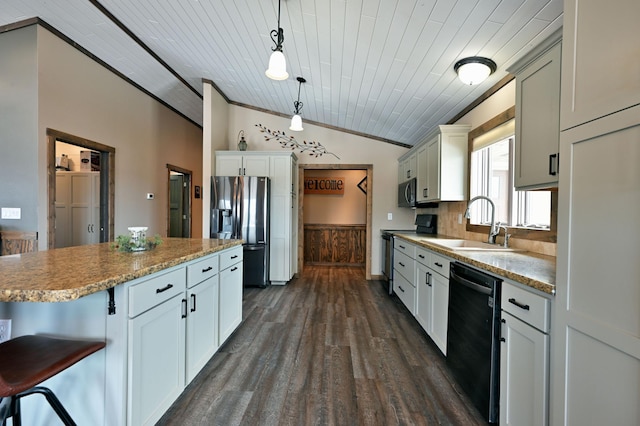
(473, 336)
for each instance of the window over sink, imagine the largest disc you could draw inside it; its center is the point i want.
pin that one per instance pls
(528, 214)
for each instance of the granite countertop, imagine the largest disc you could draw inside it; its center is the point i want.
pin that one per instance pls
(66, 274)
(531, 269)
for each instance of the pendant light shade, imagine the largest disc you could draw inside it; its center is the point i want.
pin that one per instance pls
(296, 123)
(277, 66)
(277, 63)
(474, 70)
(296, 120)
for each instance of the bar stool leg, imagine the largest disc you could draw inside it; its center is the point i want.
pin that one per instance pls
(53, 401)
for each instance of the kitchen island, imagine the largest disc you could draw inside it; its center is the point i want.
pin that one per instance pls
(163, 313)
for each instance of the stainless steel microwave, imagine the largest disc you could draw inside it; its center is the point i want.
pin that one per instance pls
(407, 193)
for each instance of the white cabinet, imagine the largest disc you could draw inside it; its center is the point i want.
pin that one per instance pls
(524, 358)
(283, 252)
(424, 292)
(440, 164)
(231, 163)
(230, 307)
(408, 167)
(403, 280)
(202, 316)
(404, 270)
(596, 316)
(156, 336)
(538, 115)
(77, 208)
(600, 59)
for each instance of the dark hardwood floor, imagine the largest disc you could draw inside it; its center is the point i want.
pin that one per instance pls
(329, 348)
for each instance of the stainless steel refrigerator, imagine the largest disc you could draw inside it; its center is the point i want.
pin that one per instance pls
(240, 210)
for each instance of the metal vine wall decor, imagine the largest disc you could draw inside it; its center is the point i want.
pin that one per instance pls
(314, 148)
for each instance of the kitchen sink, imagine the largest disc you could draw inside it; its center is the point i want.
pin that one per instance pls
(468, 245)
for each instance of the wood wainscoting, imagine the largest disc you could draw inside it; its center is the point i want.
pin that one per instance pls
(335, 244)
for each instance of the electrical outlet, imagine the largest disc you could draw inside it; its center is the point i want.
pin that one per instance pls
(389, 216)
(10, 213)
(150, 196)
(460, 218)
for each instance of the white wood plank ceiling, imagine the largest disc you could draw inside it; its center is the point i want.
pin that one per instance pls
(378, 67)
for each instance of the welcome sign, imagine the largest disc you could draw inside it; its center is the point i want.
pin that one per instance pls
(324, 185)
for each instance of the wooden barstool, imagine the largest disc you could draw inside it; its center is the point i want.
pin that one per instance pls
(27, 361)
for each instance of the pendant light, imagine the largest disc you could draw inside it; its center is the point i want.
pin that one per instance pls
(296, 120)
(474, 70)
(277, 63)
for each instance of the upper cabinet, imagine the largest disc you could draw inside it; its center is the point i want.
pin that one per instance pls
(407, 168)
(601, 72)
(234, 163)
(538, 115)
(441, 164)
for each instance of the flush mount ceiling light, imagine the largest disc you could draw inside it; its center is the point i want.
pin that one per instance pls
(296, 120)
(277, 63)
(474, 70)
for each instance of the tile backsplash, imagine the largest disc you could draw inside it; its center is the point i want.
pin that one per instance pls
(448, 225)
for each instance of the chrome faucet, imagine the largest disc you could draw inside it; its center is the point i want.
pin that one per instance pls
(493, 230)
(506, 234)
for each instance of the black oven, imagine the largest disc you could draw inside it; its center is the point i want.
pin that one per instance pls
(425, 224)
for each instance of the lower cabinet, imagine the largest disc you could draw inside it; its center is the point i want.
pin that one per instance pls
(432, 307)
(202, 325)
(230, 312)
(524, 358)
(156, 361)
(176, 322)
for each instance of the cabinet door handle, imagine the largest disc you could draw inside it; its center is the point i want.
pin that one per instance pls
(239, 171)
(401, 289)
(553, 164)
(193, 302)
(235, 268)
(401, 264)
(425, 192)
(402, 247)
(502, 339)
(518, 304)
(439, 265)
(429, 279)
(184, 308)
(88, 228)
(421, 256)
(244, 171)
(235, 256)
(165, 288)
(207, 269)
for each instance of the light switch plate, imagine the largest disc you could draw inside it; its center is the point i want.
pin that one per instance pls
(389, 216)
(10, 213)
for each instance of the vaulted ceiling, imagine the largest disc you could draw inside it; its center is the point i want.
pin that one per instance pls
(378, 67)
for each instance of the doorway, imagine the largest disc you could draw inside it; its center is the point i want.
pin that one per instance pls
(179, 208)
(99, 184)
(365, 186)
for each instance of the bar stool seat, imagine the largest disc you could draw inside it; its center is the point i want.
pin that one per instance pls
(27, 361)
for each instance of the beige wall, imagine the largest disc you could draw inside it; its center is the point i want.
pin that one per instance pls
(78, 96)
(349, 208)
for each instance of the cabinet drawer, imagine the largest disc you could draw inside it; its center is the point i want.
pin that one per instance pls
(440, 264)
(423, 256)
(230, 257)
(527, 306)
(151, 292)
(404, 247)
(406, 292)
(404, 265)
(201, 270)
